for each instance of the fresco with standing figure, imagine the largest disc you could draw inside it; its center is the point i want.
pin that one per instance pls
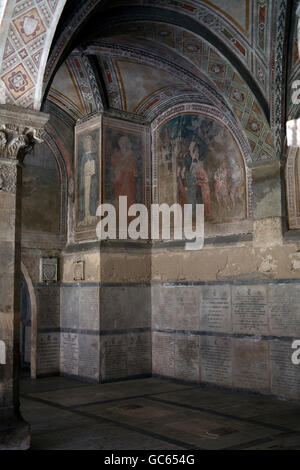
(199, 162)
(123, 166)
(87, 172)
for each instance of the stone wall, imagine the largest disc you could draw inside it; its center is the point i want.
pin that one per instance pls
(233, 334)
(226, 315)
(45, 311)
(105, 323)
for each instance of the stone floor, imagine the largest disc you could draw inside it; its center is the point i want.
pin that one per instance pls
(152, 414)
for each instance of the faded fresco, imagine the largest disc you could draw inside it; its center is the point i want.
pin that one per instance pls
(87, 178)
(200, 163)
(123, 166)
(140, 81)
(41, 194)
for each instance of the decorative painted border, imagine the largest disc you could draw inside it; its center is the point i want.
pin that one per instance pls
(292, 189)
(90, 123)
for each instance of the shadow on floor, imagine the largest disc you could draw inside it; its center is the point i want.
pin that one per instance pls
(153, 414)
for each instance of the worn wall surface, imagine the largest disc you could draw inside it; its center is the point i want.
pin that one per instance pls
(105, 322)
(225, 315)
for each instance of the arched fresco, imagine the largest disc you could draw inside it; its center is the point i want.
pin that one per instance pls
(199, 162)
(198, 158)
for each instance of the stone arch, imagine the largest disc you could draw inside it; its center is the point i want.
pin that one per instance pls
(33, 304)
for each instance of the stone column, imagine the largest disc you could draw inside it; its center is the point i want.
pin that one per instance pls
(19, 130)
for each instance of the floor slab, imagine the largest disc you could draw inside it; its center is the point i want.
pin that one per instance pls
(154, 414)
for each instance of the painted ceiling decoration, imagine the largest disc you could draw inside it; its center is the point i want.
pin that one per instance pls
(230, 22)
(74, 88)
(211, 64)
(293, 109)
(30, 31)
(227, 54)
(278, 77)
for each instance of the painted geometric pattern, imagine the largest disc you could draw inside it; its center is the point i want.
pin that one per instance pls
(82, 82)
(218, 69)
(294, 68)
(250, 45)
(153, 96)
(80, 13)
(24, 47)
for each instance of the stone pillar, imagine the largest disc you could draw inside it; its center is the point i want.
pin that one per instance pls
(19, 130)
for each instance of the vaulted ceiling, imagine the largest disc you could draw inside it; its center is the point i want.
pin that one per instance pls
(137, 58)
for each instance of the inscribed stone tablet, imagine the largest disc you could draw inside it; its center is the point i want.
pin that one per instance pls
(284, 308)
(164, 307)
(249, 309)
(89, 314)
(89, 356)
(113, 356)
(215, 309)
(251, 365)
(163, 354)
(187, 311)
(216, 360)
(69, 353)
(48, 353)
(139, 354)
(187, 357)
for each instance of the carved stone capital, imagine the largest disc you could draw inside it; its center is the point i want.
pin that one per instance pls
(16, 141)
(20, 129)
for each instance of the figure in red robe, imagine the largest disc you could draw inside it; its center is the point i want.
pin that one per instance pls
(125, 171)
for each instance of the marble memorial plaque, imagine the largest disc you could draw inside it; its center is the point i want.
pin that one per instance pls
(139, 306)
(139, 354)
(89, 315)
(164, 307)
(251, 365)
(216, 360)
(187, 357)
(69, 306)
(284, 308)
(48, 353)
(69, 354)
(163, 354)
(89, 356)
(48, 305)
(249, 310)
(113, 356)
(285, 375)
(187, 312)
(215, 309)
(114, 308)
